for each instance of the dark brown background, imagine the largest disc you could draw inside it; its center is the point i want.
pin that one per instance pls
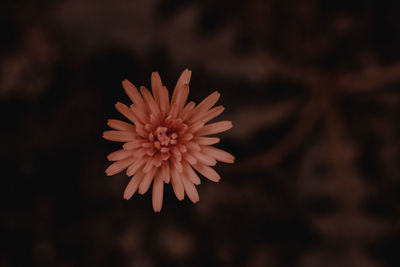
(311, 87)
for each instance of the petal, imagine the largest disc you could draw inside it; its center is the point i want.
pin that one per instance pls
(213, 128)
(146, 182)
(183, 79)
(119, 136)
(119, 166)
(156, 86)
(187, 110)
(133, 144)
(207, 172)
(205, 141)
(133, 185)
(119, 155)
(203, 158)
(181, 97)
(151, 103)
(218, 154)
(164, 101)
(158, 191)
(133, 94)
(127, 112)
(207, 116)
(120, 125)
(164, 172)
(189, 172)
(177, 184)
(133, 168)
(206, 104)
(190, 190)
(140, 114)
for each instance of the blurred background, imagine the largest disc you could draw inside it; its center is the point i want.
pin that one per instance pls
(312, 88)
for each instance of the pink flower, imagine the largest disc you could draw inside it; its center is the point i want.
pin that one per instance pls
(167, 140)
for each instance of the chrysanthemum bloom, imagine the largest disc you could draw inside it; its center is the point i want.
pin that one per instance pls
(167, 140)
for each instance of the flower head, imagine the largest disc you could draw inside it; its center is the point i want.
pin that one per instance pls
(166, 140)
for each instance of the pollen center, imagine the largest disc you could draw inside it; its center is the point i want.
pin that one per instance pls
(164, 137)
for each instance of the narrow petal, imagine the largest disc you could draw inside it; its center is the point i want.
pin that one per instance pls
(133, 185)
(207, 116)
(119, 136)
(119, 155)
(165, 173)
(203, 158)
(207, 172)
(146, 182)
(187, 110)
(127, 112)
(158, 192)
(119, 166)
(120, 125)
(133, 94)
(218, 154)
(206, 104)
(190, 190)
(183, 79)
(140, 114)
(213, 128)
(133, 168)
(133, 144)
(164, 99)
(177, 184)
(206, 141)
(156, 86)
(181, 97)
(189, 172)
(151, 103)
(189, 158)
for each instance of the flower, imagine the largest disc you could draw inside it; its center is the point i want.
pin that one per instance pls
(167, 140)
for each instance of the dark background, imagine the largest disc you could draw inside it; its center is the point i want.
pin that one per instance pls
(311, 87)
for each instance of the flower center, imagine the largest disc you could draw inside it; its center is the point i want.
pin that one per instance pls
(164, 137)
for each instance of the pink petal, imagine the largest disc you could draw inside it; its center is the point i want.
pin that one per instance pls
(165, 173)
(189, 172)
(189, 158)
(183, 79)
(127, 112)
(140, 115)
(158, 191)
(205, 141)
(119, 155)
(190, 190)
(204, 159)
(164, 101)
(133, 185)
(146, 182)
(207, 172)
(209, 115)
(206, 104)
(213, 128)
(132, 169)
(133, 94)
(133, 144)
(156, 86)
(177, 184)
(187, 110)
(182, 96)
(120, 125)
(151, 103)
(218, 154)
(119, 136)
(119, 166)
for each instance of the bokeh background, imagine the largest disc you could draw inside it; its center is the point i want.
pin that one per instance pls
(312, 88)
